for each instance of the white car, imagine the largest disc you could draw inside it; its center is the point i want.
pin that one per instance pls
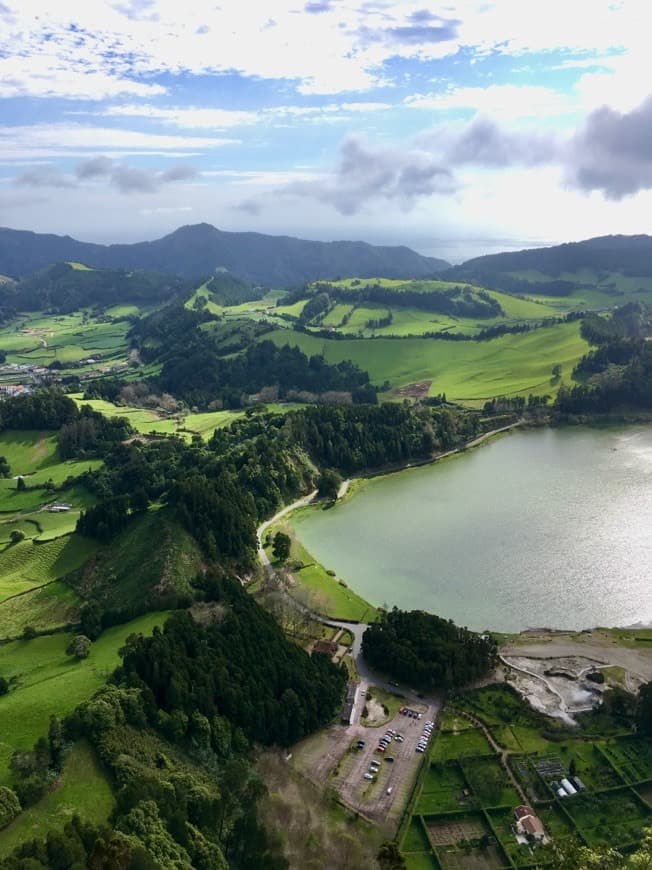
(369, 776)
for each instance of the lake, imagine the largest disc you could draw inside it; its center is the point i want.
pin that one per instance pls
(550, 527)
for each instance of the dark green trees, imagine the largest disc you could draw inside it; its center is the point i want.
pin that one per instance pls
(426, 651)
(281, 546)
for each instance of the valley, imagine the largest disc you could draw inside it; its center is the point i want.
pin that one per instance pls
(147, 437)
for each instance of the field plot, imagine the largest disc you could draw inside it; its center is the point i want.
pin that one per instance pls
(609, 818)
(40, 339)
(632, 757)
(490, 782)
(467, 371)
(462, 744)
(44, 681)
(443, 790)
(592, 767)
(82, 789)
(465, 842)
(29, 564)
(45, 608)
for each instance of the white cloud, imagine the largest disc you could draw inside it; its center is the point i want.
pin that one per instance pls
(198, 118)
(95, 49)
(42, 140)
(504, 101)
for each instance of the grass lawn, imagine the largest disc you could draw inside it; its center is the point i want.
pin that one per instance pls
(83, 789)
(442, 790)
(44, 681)
(467, 371)
(30, 564)
(45, 608)
(317, 589)
(460, 745)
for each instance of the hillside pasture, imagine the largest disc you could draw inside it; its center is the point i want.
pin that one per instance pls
(82, 789)
(30, 564)
(467, 371)
(44, 681)
(46, 608)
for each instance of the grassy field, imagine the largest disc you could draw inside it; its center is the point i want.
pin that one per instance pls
(350, 319)
(313, 586)
(449, 744)
(466, 371)
(44, 681)
(39, 339)
(83, 789)
(45, 608)
(30, 564)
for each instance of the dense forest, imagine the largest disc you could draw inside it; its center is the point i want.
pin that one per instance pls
(63, 288)
(201, 364)
(617, 373)
(426, 651)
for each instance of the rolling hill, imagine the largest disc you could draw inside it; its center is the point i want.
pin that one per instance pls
(200, 250)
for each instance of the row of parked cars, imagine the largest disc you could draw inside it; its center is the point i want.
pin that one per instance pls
(386, 740)
(406, 711)
(422, 743)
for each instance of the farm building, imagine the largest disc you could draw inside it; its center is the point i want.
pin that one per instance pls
(528, 825)
(59, 507)
(325, 648)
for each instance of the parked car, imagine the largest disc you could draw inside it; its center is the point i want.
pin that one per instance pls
(389, 758)
(389, 790)
(369, 776)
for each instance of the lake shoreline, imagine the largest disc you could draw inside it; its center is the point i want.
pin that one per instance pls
(517, 589)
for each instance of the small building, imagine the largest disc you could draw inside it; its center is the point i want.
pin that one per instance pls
(577, 782)
(59, 507)
(325, 648)
(532, 827)
(528, 826)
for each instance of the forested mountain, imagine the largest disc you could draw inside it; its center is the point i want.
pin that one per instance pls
(626, 255)
(62, 288)
(195, 251)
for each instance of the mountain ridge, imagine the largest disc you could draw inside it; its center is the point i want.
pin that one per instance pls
(201, 249)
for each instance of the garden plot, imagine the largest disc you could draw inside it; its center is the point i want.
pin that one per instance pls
(608, 818)
(631, 756)
(490, 782)
(444, 790)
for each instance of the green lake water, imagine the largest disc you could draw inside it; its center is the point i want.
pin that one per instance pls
(544, 528)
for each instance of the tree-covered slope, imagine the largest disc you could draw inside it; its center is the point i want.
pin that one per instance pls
(202, 249)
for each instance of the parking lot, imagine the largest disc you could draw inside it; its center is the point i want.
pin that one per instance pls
(335, 760)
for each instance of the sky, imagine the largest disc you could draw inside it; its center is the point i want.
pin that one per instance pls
(458, 128)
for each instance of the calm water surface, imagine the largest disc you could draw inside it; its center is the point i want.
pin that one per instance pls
(543, 528)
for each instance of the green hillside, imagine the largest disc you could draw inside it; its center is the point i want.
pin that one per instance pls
(467, 371)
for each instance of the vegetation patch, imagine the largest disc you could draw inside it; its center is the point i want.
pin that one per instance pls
(83, 789)
(45, 681)
(128, 576)
(46, 608)
(460, 744)
(30, 564)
